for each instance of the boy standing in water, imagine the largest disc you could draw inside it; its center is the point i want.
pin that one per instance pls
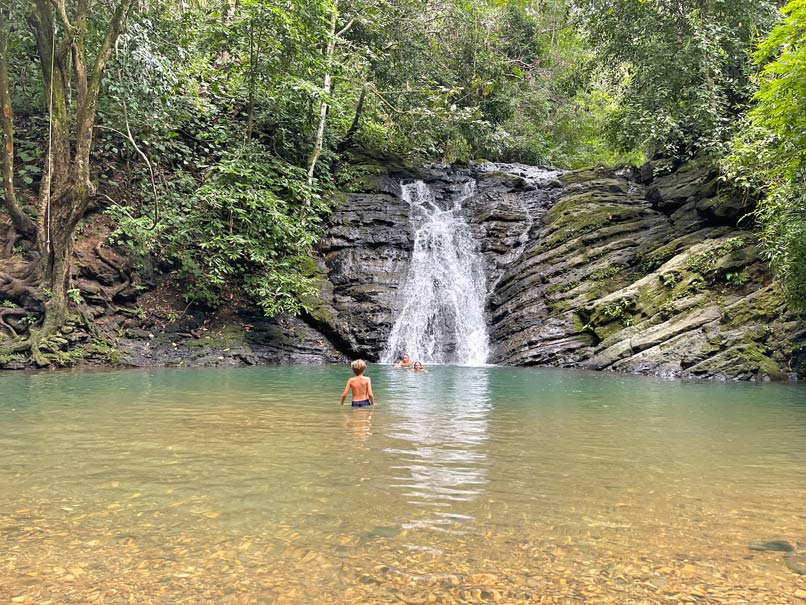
(361, 386)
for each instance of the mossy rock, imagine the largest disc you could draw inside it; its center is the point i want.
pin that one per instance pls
(721, 254)
(694, 180)
(728, 207)
(585, 175)
(746, 360)
(359, 178)
(580, 215)
(503, 180)
(316, 305)
(12, 361)
(573, 203)
(227, 337)
(619, 310)
(765, 305)
(659, 256)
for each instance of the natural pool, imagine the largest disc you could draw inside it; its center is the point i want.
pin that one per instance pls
(464, 485)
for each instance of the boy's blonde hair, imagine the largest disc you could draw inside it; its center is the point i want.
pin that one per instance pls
(359, 365)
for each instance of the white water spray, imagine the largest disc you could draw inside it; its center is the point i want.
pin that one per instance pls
(442, 318)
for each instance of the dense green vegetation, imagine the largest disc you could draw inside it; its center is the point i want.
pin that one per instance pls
(213, 133)
(769, 150)
(680, 69)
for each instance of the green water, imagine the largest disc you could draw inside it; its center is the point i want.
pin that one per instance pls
(462, 485)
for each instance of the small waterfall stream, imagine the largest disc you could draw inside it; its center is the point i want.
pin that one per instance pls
(442, 317)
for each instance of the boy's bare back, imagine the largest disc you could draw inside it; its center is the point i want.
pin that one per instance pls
(360, 385)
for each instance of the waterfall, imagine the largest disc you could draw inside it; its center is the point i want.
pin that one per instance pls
(442, 317)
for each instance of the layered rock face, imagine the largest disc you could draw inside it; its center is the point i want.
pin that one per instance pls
(366, 251)
(648, 277)
(643, 272)
(365, 255)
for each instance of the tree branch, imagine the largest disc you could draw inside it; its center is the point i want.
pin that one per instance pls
(323, 106)
(86, 111)
(130, 138)
(346, 28)
(62, 12)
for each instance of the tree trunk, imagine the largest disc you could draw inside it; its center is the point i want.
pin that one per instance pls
(21, 222)
(66, 189)
(359, 108)
(250, 112)
(320, 131)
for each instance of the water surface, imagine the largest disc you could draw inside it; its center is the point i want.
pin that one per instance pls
(463, 485)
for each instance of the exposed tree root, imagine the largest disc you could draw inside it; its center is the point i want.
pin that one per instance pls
(21, 282)
(14, 312)
(12, 238)
(124, 275)
(29, 345)
(87, 322)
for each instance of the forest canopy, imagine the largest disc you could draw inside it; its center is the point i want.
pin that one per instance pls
(214, 133)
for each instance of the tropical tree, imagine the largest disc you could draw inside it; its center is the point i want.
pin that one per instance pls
(74, 42)
(678, 69)
(242, 130)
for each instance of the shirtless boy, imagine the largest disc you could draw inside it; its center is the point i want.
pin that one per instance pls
(361, 386)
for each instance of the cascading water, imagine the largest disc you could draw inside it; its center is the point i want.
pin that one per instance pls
(442, 318)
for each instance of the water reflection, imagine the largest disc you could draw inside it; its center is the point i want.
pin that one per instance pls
(358, 424)
(441, 462)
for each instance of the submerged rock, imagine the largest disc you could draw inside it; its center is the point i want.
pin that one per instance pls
(773, 545)
(796, 563)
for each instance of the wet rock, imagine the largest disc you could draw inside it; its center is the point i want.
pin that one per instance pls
(796, 562)
(693, 181)
(247, 338)
(136, 333)
(772, 545)
(644, 280)
(640, 271)
(365, 252)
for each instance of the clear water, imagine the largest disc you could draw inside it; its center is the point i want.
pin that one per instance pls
(441, 319)
(464, 485)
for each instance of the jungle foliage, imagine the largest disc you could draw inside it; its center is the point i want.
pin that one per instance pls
(211, 131)
(769, 150)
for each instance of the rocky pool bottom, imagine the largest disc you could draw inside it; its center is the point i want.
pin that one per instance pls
(464, 485)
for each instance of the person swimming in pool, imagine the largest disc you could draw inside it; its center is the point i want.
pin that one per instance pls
(405, 362)
(418, 367)
(360, 385)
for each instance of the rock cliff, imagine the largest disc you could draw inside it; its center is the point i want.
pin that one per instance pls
(642, 271)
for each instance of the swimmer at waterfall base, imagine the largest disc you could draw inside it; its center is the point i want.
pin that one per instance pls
(360, 385)
(405, 362)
